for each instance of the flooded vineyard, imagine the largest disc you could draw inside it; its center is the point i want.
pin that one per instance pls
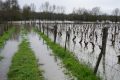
(65, 40)
(84, 40)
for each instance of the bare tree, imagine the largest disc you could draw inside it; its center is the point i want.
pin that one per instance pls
(1, 5)
(116, 13)
(26, 12)
(45, 7)
(53, 8)
(81, 11)
(62, 9)
(1, 10)
(95, 11)
(33, 8)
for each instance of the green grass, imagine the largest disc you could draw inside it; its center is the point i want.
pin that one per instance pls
(79, 70)
(6, 36)
(1, 58)
(24, 64)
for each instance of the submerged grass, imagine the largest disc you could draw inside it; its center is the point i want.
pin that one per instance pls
(1, 58)
(6, 36)
(79, 70)
(24, 64)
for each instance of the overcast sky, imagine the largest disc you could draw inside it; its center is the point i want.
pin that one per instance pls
(106, 5)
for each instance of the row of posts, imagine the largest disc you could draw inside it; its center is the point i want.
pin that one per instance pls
(103, 48)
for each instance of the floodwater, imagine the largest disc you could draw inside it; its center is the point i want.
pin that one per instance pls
(87, 51)
(48, 63)
(109, 68)
(7, 52)
(51, 66)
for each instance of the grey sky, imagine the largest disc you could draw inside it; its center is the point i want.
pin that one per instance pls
(106, 5)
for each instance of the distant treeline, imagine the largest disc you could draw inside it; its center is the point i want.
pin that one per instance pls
(75, 17)
(10, 11)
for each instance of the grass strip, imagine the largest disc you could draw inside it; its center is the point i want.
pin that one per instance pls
(24, 64)
(6, 36)
(79, 70)
(1, 58)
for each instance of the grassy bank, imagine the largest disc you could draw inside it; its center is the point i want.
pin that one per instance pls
(80, 71)
(6, 36)
(24, 64)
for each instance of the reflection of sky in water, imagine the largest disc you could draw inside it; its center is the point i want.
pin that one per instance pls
(110, 66)
(50, 64)
(9, 49)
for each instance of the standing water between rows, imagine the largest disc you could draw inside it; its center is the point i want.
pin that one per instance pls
(9, 49)
(85, 42)
(48, 63)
